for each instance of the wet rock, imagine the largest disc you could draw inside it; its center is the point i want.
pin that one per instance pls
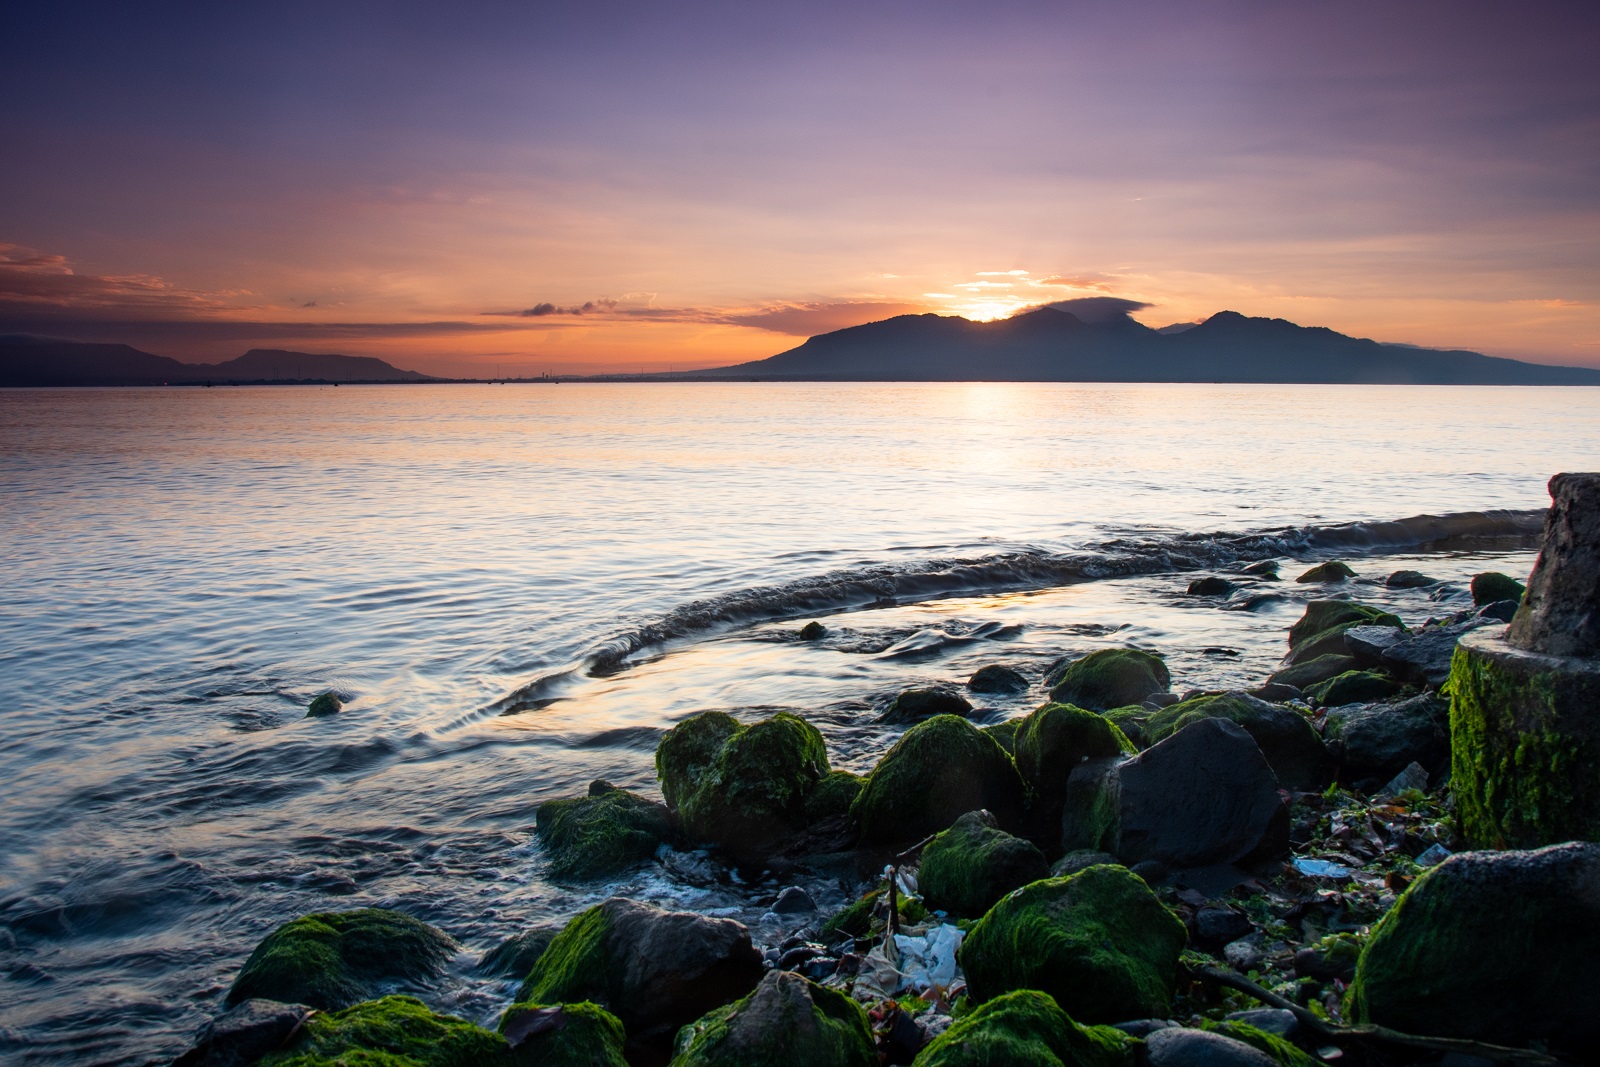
(1243, 955)
(1415, 776)
(1150, 872)
(516, 955)
(1205, 795)
(968, 867)
(1491, 946)
(584, 1035)
(1131, 720)
(1210, 586)
(1320, 631)
(1279, 1022)
(1560, 615)
(855, 918)
(787, 1019)
(1099, 942)
(1424, 658)
(1327, 963)
(688, 750)
(1499, 611)
(655, 970)
(813, 631)
(1218, 926)
(1079, 860)
(1111, 678)
(1352, 687)
(793, 901)
(1026, 1028)
(1381, 740)
(1181, 1047)
(915, 705)
(1409, 580)
(601, 834)
(242, 1035)
(333, 959)
(1050, 742)
(1367, 643)
(938, 771)
(1326, 573)
(833, 795)
(1266, 568)
(1289, 742)
(324, 704)
(1492, 586)
(395, 1030)
(1303, 675)
(997, 679)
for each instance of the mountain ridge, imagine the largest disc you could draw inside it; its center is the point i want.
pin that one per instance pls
(42, 361)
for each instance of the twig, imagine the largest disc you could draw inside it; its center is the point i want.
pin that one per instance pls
(894, 901)
(1327, 1030)
(914, 849)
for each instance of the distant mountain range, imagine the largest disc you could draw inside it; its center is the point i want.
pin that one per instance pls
(1052, 345)
(37, 361)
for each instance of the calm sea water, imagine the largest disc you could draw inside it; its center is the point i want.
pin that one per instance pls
(520, 587)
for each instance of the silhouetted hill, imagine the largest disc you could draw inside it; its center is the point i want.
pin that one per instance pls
(36, 361)
(1049, 345)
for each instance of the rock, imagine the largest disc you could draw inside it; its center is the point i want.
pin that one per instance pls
(751, 794)
(516, 955)
(1005, 734)
(1320, 631)
(1327, 962)
(1352, 687)
(601, 834)
(1279, 1022)
(1275, 692)
(793, 901)
(1289, 742)
(396, 1030)
(1205, 795)
(583, 1035)
(1079, 860)
(1218, 926)
(1099, 942)
(915, 705)
(1413, 777)
(1409, 580)
(241, 1036)
(1491, 946)
(787, 1019)
(1130, 720)
(833, 795)
(997, 679)
(1424, 658)
(1303, 675)
(1326, 573)
(1050, 742)
(1242, 955)
(1367, 643)
(1560, 615)
(655, 970)
(1026, 1029)
(1152, 873)
(1181, 1047)
(937, 772)
(813, 631)
(855, 918)
(1492, 586)
(325, 704)
(1210, 586)
(333, 959)
(1499, 611)
(1266, 568)
(1525, 742)
(968, 867)
(1111, 678)
(1142, 1028)
(688, 749)
(1381, 740)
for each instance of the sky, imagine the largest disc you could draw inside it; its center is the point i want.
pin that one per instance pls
(514, 188)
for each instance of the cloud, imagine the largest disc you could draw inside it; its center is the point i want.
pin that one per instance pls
(539, 311)
(1002, 273)
(1099, 308)
(1085, 281)
(808, 320)
(33, 282)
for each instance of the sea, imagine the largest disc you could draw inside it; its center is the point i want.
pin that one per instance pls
(517, 589)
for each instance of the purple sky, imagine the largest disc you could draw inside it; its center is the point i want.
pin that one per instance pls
(715, 181)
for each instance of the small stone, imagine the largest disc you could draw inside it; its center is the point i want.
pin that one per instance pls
(1267, 568)
(1433, 855)
(1275, 692)
(1326, 573)
(813, 631)
(1179, 1047)
(915, 705)
(1492, 586)
(1279, 1022)
(997, 679)
(326, 704)
(1409, 580)
(1499, 611)
(1210, 585)
(1413, 777)
(793, 901)
(1221, 925)
(1242, 955)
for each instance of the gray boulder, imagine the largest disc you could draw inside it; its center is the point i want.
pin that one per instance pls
(1424, 657)
(1381, 740)
(1180, 1047)
(244, 1034)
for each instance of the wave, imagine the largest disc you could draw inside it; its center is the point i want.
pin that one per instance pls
(1028, 569)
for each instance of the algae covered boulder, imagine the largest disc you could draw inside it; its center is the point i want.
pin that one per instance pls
(938, 771)
(1026, 1028)
(244, 1033)
(786, 1020)
(1111, 678)
(655, 970)
(1353, 687)
(999, 679)
(1049, 744)
(1320, 631)
(1288, 741)
(833, 795)
(1327, 573)
(333, 959)
(1309, 672)
(1491, 946)
(603, 833)
(1099, 942)
(1491, 587)
(563, 1035)
(688, 749)
(968, 867)
(323, 704)
(394, 1031)
(516, 955)
(1005, 733)
(915, 705)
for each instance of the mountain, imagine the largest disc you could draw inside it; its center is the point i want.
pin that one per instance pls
(38, 361)
(1051, 345)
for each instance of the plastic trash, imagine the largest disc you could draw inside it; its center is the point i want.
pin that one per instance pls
(930, 960)
(1320, 868)
(1434, 855)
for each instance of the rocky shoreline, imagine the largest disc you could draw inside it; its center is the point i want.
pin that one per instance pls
(1298, 870)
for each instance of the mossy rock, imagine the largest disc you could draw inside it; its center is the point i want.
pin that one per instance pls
(1099, 942)
(752, 792)
(1284, 1052)
(1111, 678)
(968, 867)
(1288, 741)
(1211, 585)
(1491, 587)
(1325, 573)
(517, 954)
(1320, 631)
(1353, 687)
(1005, 733)
(855, 918)
(833, 795)
(1130, 719)
(786, 1020)
(1080, 859)
(1050, 743)
(688, 749)
(393, 1031)
(937, 772)
(601, 834)
(334, 959)
(915, 705)
(813, 631)
(1000, 679)
(563, 1035)
(1026, 1028)
(1307, 673)
(324, 704)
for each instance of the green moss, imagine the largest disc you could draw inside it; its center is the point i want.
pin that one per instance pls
(1332, 571)
(755, 790)
(938, 771)
(575, 966)
(601, 834)
(324, 704)
(1026, 1029)
(391, 1032)
(580, 1035)
(517, 954)
(1491, 587)
(1285, 1053)
(332, 959)
(1005, 734)
(968, 867)
(786, 1020)
(1289, 742)
(1353, 687)
(1057, 737)
(1521, 773)
(855, 918)
(688, 749)
(1131, 719)
(1111, 678)
(1309, 672)
(833, 795)
(1320, 631)
(1099, 942)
